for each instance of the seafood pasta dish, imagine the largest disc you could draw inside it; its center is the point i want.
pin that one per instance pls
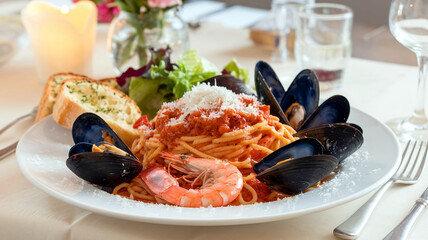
(229, 132)
(214, 147)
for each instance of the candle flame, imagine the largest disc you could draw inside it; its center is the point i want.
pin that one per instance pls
(64, 9)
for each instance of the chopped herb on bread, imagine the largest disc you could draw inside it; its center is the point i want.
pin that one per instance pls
(77, 96)
(53, 86)
(50, 92)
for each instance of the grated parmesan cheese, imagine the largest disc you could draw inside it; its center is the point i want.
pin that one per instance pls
(215, 99)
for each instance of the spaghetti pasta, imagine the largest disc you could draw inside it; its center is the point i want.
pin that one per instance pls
(233, 128)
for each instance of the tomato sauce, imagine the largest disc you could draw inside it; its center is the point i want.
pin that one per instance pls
(200, 123)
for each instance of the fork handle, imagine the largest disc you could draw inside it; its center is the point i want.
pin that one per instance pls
(352, 227)
(4, 152)
(402, 229)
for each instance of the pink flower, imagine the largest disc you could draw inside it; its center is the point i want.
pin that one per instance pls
(163, 3)
(106, 12)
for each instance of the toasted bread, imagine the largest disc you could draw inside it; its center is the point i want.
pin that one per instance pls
(52, 88)
(77, 96)
(50, 92)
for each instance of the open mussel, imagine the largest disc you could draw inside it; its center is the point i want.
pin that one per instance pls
(91, 128)
(335, 109)
(325, 137)
(303, 163)
(299, 104)
(99, 156)
(339, 139)
(296, 166)
(297, 149)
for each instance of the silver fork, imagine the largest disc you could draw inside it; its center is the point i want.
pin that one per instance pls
(6, 151)
(408, 173)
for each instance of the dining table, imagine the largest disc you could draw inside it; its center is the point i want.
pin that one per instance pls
(379, 89)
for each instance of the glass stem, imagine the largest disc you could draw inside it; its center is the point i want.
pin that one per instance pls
(419, 116)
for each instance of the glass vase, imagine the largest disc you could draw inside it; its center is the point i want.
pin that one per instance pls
(131, 36)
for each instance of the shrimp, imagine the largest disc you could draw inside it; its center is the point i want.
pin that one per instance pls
(221, 182)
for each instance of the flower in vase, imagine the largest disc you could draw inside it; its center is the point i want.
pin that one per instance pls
(106, 10)
(143, 21)
(162, 3)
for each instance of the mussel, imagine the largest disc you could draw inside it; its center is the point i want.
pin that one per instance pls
(304, 162)
(339, 139)
(298, 106)
(296, 166)
(325, 137)
(297, 149)
(99, 156)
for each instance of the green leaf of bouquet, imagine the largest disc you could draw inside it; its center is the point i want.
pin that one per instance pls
(122, 6)
(133, 6)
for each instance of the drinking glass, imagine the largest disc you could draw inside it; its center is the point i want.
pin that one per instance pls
(408, 22)
(285, 22)
(323, 41)
(280, 14)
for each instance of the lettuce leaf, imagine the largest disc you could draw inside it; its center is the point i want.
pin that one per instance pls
(233, 68)
(162, 81)
(187, 72)
(195, 64)
(149, 94)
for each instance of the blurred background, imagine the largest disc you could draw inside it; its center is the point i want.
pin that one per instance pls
(370, 33)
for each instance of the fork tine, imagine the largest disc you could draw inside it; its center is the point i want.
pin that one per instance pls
(405, 150)
(406, 160)
(415, 160)
(422, 164)
(403, 156)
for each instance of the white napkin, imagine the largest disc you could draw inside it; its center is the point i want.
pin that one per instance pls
(238, 16)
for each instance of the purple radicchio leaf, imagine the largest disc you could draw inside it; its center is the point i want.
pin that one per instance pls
(157, 54)
(225, 72)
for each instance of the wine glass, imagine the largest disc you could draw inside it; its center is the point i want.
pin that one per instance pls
(408, 22)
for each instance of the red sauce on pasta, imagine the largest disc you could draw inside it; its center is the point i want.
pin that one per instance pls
(199, 122)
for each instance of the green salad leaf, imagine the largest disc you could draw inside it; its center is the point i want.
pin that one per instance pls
(162, 81)
(149, 94)
(233, 68)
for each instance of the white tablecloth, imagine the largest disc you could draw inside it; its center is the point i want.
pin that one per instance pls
(382, 90)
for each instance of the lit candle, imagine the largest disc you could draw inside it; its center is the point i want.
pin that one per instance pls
(62, 38)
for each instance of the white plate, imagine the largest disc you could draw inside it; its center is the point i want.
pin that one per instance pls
(43, 150)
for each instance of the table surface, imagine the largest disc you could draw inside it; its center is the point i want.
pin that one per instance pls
(382, 90)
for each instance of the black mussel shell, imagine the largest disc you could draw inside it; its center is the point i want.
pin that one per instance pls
(336, 109)
(271, 79)
(356, 126)
(84, 147)
(339, 140)
(301, 148)
(296, 175)
(104, 169)
(89, 127)
(81, 147)
(266, 97)
(304, 90)
(232, 83)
